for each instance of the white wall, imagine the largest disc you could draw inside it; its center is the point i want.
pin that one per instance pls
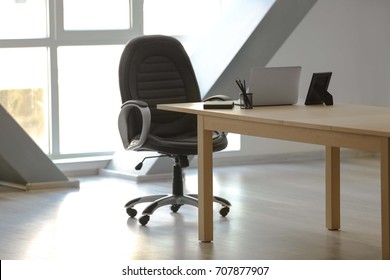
(351, 38)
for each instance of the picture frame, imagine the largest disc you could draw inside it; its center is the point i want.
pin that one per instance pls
(318, 90)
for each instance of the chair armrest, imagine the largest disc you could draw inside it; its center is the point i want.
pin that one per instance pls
(123, 124)
(219, 97)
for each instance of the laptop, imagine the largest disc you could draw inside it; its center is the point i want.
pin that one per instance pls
(274, 85)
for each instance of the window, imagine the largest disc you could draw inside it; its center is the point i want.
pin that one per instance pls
(59, 61)
(16, 17)
(24, 90)
(24, 71)
(59, 74)
(88, 93)
(93, 14)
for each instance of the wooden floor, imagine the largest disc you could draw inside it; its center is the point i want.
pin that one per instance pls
(277, 213)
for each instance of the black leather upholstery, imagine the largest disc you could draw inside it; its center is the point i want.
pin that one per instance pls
(153, 70)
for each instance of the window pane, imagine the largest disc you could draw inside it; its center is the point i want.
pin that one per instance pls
(23, 19)
(24, 90)
(180, 17)
(89, 98)
(96, 14)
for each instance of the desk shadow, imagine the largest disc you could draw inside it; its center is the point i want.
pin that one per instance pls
(172, 236)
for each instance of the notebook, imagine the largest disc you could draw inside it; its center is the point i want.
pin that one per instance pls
(274, 85)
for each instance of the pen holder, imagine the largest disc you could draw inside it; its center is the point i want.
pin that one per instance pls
(246, 103)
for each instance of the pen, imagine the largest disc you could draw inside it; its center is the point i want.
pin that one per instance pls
(242, 87)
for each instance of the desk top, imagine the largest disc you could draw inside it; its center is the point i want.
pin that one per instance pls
(361, 119)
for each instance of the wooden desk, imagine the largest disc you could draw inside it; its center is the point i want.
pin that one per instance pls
(339, 126)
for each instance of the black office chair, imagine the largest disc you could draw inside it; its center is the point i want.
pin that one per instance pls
(153, 70)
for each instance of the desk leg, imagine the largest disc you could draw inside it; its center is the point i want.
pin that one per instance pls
(332, 187)
(385, 198)
(205, 183)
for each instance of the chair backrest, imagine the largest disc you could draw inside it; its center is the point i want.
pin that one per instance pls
(157, 70)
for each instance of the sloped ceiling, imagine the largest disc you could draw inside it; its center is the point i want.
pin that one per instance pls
(245, 38)
(21, 160)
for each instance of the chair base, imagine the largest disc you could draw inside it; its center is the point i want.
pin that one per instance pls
(176, 201)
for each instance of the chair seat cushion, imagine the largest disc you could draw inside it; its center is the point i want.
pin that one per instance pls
(184, 144)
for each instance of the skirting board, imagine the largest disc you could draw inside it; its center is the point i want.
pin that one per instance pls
(238, 160)
(43, 185)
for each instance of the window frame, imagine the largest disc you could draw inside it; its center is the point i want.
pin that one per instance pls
(58, 37)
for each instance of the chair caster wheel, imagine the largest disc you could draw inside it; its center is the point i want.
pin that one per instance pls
(175, 207)
(144, 220)
(131, 212)
(224, 211)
